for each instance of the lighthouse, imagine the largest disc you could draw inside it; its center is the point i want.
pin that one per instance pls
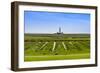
(59, 29)
(60, 32)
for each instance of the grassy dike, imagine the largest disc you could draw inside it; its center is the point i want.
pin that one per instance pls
(57, 57)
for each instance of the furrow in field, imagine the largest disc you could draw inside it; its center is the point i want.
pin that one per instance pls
(64, 45)
(54, 44)
(44, 45)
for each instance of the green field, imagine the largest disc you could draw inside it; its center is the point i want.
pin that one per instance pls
(43, 47)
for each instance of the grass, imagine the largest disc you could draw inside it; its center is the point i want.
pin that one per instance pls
(40, 48)
(57, 57)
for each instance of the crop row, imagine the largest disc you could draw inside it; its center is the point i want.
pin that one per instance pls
(56, 48)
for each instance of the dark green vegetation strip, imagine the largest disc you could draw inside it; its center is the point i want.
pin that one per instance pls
(55, 37)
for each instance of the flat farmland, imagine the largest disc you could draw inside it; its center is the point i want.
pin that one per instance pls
(56, 47)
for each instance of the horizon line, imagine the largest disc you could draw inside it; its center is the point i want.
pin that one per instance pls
(56, 33)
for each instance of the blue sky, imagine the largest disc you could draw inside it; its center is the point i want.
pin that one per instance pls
(49, 22)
